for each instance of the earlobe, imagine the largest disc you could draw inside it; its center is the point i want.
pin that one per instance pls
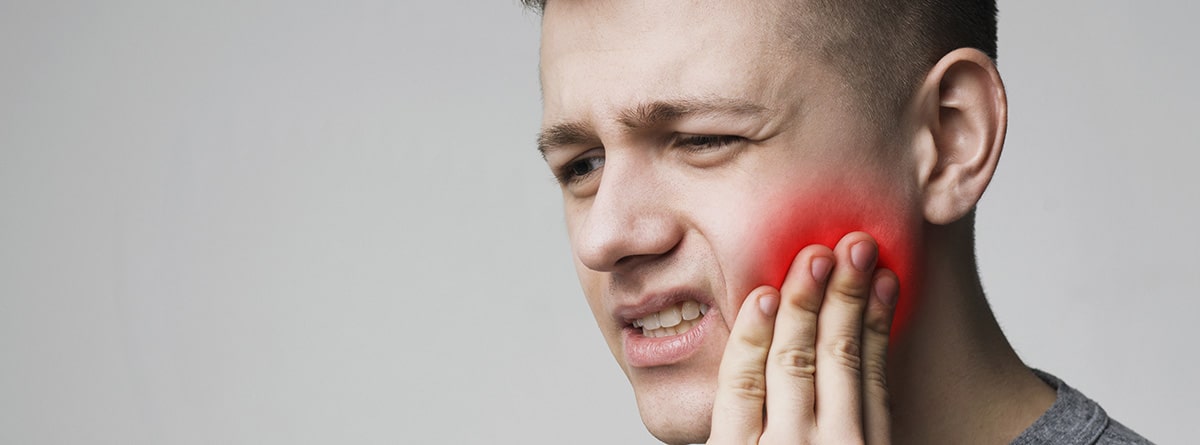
(962, 116)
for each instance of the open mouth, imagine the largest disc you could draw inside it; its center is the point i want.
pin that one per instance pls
(672, 320)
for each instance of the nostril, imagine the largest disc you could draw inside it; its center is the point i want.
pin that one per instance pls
(621, 262)
(634, 261)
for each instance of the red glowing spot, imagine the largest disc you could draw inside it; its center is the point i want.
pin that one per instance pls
(824, 217)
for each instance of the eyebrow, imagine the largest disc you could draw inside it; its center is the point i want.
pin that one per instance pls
(566, 133)
(646, 115)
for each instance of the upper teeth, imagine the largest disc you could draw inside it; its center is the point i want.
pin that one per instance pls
(672, 316)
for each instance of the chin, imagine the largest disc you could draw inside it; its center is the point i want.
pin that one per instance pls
(676, 409)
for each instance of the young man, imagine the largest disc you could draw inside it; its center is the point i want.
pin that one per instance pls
(709, 151)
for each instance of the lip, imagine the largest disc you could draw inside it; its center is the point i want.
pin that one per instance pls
(648, 352)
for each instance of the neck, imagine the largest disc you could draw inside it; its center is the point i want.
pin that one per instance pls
(953, 377)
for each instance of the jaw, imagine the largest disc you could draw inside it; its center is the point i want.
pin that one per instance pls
(675, 402)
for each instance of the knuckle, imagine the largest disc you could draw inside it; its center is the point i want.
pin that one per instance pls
(747, 385)
(879, 322)
(804, 301)
(851, 292)
(800, 363)
(753, 343)
(875, 377)
(851, 286)
(846, 351)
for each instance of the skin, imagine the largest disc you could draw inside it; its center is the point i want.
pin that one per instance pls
(759, 155)
(831, 325)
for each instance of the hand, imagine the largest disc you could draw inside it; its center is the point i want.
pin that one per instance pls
(805, 364)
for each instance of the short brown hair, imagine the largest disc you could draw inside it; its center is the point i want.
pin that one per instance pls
(885, 47)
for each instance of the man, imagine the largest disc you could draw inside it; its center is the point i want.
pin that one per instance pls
(709, 151)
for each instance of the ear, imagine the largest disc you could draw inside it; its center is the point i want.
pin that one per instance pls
(961, 115)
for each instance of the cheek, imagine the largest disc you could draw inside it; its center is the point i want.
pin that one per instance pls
(787, 222)
(592, 284)
(825, 216)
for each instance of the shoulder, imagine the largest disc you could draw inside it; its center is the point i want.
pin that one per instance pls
(1075, 419)
(1117, 434)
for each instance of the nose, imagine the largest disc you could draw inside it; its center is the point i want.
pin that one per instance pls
(631, 219)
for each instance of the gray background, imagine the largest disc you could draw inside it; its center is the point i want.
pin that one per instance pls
(294, 222)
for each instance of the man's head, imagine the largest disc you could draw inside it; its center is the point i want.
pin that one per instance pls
(701, 144)
(881, 48)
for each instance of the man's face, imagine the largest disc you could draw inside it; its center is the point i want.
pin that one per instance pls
(699, 150)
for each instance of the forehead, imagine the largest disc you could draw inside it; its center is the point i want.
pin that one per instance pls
(600, 56)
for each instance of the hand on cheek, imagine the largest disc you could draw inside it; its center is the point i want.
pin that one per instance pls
(810, 356)
(830, 216)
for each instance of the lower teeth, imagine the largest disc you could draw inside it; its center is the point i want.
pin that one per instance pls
(666, 332)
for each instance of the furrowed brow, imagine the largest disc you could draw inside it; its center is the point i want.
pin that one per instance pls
(646, 115)
(660, 112)
(566, 133)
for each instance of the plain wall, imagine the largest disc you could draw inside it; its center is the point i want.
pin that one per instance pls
(303, 222)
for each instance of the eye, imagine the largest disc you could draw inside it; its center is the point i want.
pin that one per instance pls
(705, 142)
(579, 169)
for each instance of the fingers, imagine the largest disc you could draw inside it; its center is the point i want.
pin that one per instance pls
(880, 306)
(819, 346)
(839, 339)
(741, 382)
(792, 360)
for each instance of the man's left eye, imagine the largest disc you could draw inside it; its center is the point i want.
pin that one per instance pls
(706, 142)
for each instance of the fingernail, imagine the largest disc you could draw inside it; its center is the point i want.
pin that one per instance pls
(820, 268)
(887, 290)
(862, 254)
(768, 304)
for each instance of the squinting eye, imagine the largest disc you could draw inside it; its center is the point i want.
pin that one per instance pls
(579, 169)
(706, 142)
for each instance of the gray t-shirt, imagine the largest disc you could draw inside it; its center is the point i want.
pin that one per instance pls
(1075, 419)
